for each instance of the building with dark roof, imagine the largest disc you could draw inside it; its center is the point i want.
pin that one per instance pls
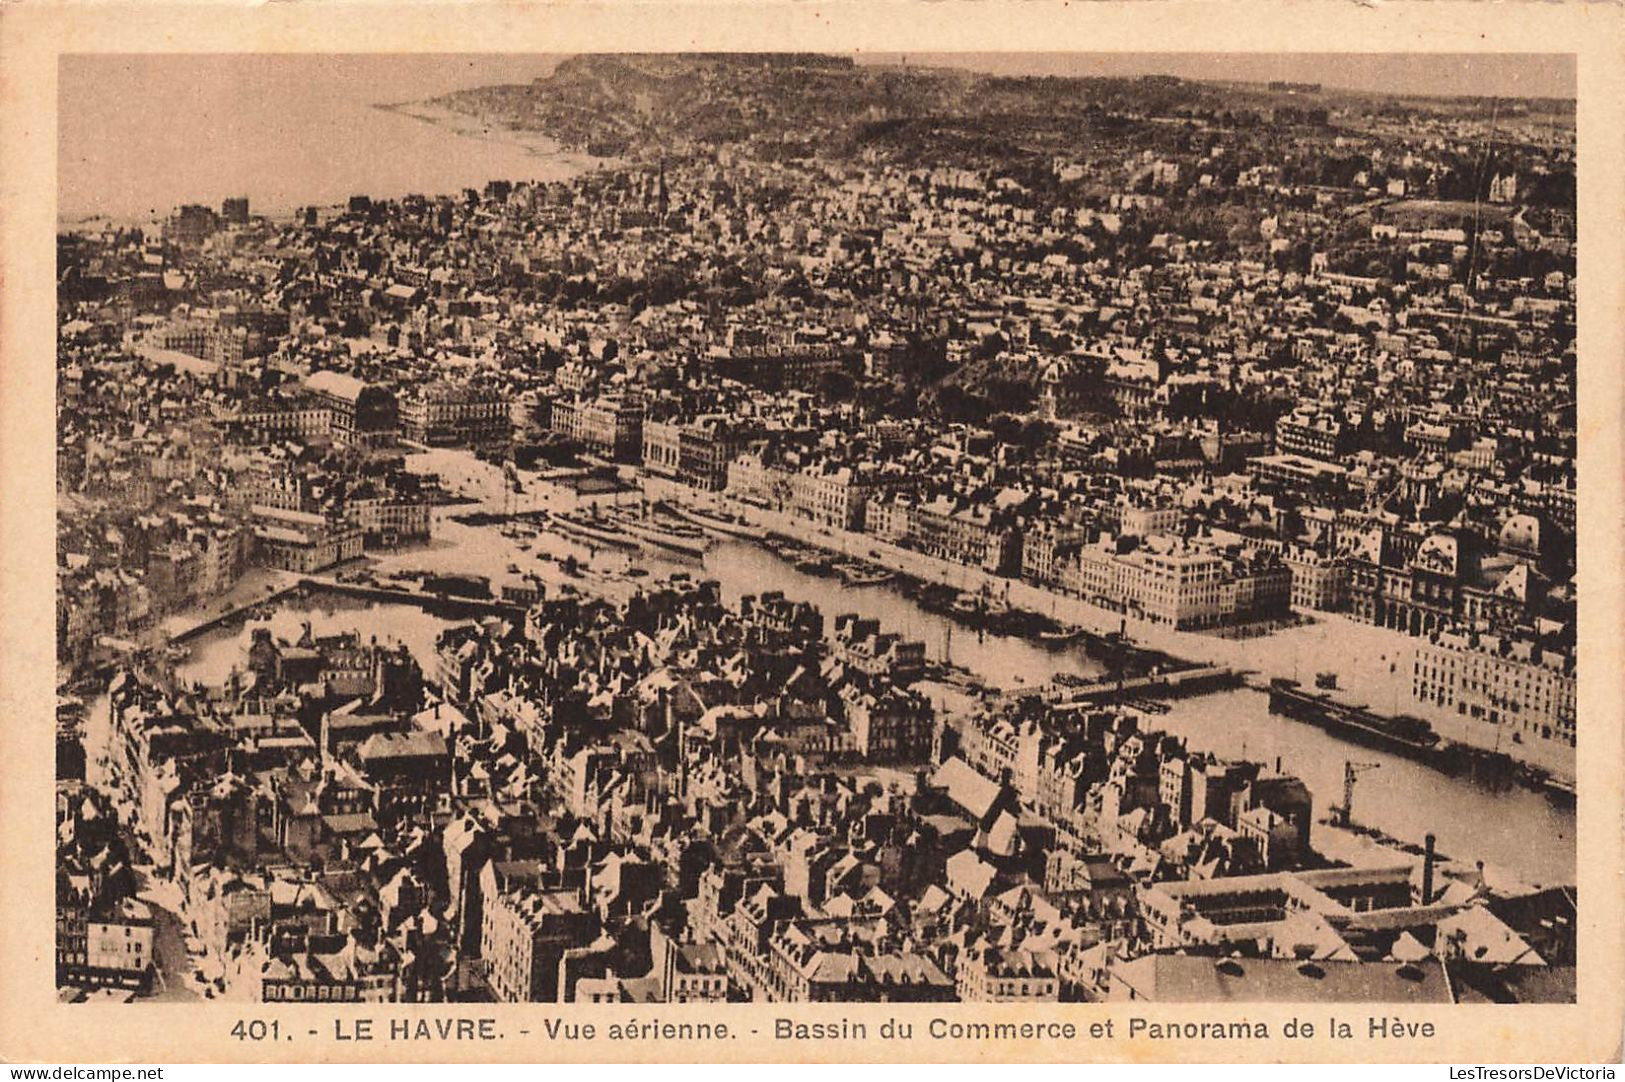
(363, 414)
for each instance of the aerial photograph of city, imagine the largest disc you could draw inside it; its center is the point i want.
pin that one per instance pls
(786, 527)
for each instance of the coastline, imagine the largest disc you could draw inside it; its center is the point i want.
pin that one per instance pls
(534, 143)
(560, 165)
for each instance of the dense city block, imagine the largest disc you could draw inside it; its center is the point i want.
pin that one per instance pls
(816, 554)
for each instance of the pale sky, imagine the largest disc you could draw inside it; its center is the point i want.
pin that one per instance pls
(138, 134)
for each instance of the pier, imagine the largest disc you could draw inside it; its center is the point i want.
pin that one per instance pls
(1194, 681)
(441, 604)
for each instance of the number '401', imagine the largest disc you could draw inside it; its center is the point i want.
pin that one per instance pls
(256, 1029)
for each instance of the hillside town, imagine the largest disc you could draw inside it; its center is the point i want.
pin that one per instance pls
(1183, 390)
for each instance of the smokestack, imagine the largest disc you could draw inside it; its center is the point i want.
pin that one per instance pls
(1427, 870)
(682, 751)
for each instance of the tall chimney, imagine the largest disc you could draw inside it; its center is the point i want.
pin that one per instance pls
(682, 751)
(1427, 870)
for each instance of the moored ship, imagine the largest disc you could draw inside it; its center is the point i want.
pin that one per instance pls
(1403, 734)
(678, 537)
(603, 531)
(718, 522)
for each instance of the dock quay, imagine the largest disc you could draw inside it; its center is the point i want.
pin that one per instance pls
(449, 605)
(1412, 738)
(444, 604)
(1151, 686)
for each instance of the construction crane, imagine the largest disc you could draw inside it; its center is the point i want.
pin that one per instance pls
(1351, 771)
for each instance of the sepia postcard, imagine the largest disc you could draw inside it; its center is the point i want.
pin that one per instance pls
(885, 532)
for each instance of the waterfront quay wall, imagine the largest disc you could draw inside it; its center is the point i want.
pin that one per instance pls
(444, 604)
(1269, 656)
(1159, 685)
(230, 616)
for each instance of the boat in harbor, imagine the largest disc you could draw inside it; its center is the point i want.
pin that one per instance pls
(1064, 635)
(1403, 734)
(856, 574)
(688, 540)
(604, 531)
(718, 522)
(815, 565)
(981, 610)
(1022, 623)
(1493, 769)
(787, 548)
(1105, 647)
(937, 598)
(1559, 791)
